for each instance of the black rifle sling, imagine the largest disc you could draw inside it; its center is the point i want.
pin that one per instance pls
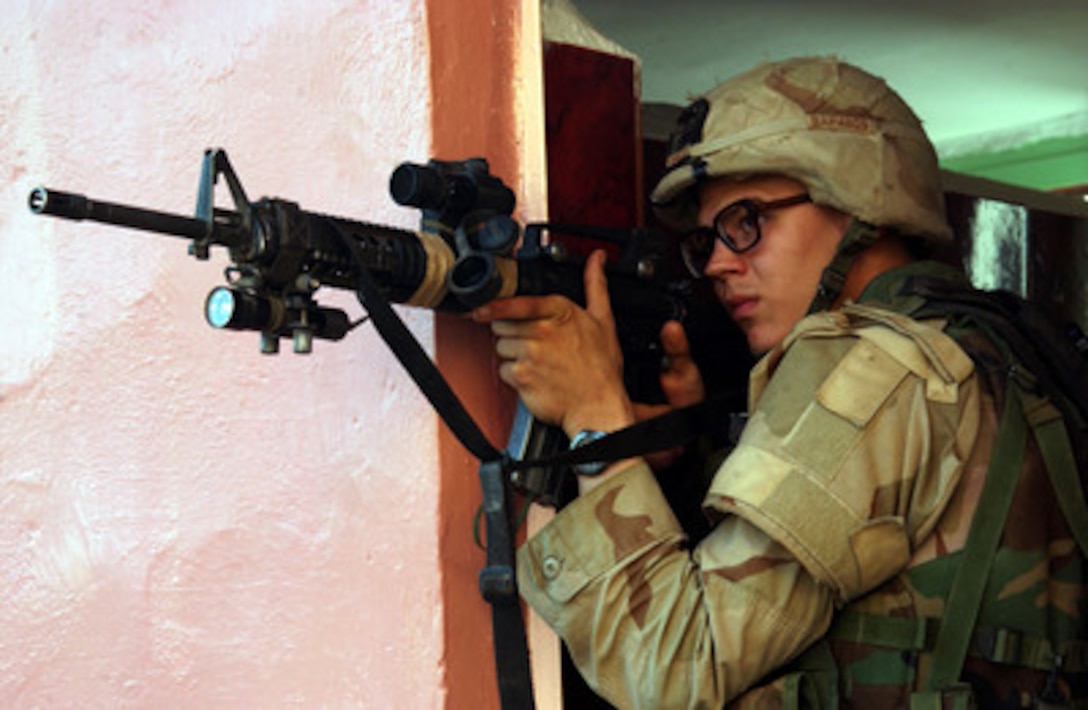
(498, 580)
(714, 417)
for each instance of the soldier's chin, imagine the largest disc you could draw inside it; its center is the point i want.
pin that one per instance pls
(761, 338)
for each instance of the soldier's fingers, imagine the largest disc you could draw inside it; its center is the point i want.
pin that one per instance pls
(524, 308)
(674, 341)
(598, 302)
(681, 381)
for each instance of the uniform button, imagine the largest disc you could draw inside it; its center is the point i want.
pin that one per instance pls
(551, 567)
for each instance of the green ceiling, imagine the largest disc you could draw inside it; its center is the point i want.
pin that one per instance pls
(1049, 164)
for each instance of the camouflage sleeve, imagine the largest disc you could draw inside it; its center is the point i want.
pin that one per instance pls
(856, 445)
(651, 624)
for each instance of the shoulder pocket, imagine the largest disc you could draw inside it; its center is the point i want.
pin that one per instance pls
(920, 346)
(860, 384)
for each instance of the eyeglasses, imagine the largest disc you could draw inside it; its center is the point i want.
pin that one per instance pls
(737, 225)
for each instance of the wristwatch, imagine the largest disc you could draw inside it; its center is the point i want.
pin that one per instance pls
(583, 438)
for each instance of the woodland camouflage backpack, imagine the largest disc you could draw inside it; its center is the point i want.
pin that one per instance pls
(1011, 630)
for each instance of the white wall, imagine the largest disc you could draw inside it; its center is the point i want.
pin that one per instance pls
(183, 521)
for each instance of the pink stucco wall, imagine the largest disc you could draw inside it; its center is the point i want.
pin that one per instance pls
(183, 521)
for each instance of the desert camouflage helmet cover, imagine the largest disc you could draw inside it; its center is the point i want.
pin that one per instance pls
(841, 131)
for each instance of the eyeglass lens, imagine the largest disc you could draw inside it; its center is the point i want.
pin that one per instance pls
(737, 225)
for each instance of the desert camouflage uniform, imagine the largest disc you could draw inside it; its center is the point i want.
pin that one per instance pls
(839, 517)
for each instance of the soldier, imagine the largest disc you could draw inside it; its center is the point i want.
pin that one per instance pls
(846, 564)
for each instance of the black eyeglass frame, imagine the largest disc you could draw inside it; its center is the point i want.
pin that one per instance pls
(693, 246)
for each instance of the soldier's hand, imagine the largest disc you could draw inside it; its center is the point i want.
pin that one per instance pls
(681, 383)
(564, 361)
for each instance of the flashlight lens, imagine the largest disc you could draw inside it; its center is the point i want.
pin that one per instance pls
(220, 307)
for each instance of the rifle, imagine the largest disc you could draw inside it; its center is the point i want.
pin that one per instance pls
(465, 254)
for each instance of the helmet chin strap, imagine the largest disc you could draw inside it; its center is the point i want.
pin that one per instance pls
(859, 236)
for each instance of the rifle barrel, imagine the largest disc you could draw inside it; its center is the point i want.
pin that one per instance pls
(70, 205)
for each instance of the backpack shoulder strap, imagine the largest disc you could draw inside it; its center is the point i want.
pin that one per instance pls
(965, 599)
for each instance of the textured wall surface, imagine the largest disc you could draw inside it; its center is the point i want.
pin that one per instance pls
(183, 521)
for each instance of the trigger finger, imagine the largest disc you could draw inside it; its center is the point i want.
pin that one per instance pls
(598, 302)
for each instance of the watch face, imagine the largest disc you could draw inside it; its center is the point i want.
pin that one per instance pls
(582, 438)
(589, 469)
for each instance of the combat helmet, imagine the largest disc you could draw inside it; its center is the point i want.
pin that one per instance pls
(842, 132)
